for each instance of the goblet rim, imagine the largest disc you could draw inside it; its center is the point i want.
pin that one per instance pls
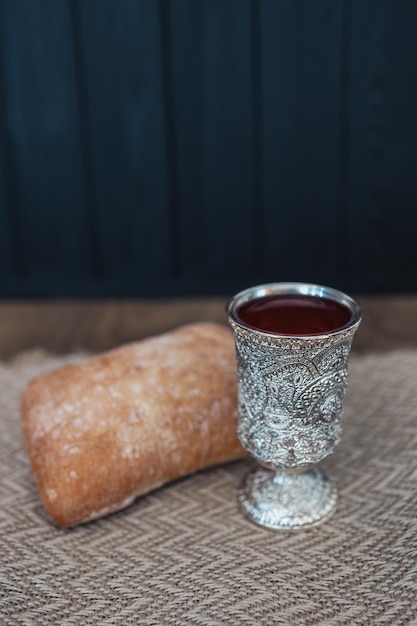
(294, 288)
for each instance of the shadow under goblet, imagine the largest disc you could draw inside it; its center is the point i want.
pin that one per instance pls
(291, 387)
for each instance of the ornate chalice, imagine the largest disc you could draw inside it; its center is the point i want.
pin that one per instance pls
(292, 346)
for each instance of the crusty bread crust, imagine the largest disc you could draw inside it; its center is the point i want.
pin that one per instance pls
(102, 432)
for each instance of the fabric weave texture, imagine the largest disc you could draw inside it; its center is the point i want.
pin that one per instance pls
(184, 555)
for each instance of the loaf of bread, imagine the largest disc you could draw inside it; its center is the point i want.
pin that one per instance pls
(115, 426)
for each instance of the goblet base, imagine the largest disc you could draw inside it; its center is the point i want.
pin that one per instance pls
(287, 501)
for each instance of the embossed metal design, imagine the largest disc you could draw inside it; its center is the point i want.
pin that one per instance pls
(290, 403)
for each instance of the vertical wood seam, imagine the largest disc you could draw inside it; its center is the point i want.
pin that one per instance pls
(345, 139)
(168, 107)
(257, 139)
(13, 210)
(87, 158)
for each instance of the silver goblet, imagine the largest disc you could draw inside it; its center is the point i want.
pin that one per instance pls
(291, 391)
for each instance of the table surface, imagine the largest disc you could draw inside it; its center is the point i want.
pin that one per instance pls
(184, 554)
(61, 327)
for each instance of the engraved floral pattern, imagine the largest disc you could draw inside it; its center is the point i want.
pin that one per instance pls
(291, 395)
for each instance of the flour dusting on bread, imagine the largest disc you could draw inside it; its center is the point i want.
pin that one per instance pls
(115, 426)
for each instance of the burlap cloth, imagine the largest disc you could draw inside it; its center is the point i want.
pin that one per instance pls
(185, 555)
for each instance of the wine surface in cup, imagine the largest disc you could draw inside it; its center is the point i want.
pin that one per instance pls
(294, 314)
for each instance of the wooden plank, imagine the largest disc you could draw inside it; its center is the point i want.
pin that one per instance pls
(39, 118)
(211, 65)
(301, 90)
(71, 326)
(76, 326)
(123, 85)
(383, 216)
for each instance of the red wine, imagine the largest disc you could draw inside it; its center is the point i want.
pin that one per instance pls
(294, 314)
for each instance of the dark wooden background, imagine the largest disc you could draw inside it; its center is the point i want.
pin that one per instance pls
(171, 147)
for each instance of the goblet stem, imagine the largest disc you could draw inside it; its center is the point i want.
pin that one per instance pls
(282, 500)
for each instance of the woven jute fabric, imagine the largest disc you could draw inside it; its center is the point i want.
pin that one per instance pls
(185, 555)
